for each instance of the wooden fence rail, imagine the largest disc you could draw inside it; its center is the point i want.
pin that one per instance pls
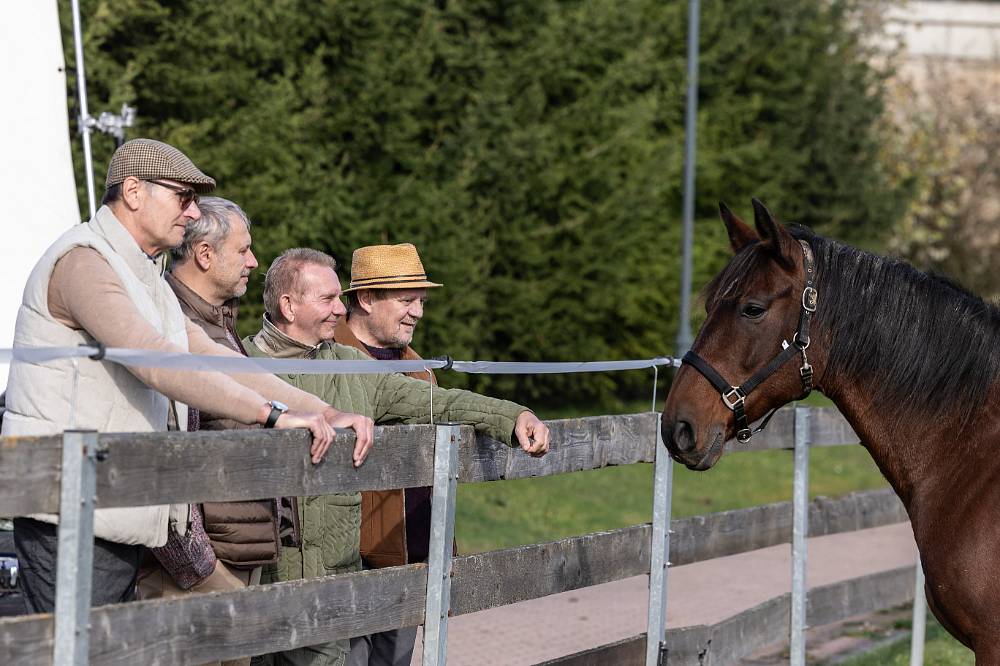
(202, 628)
(164, 468)
(223, 466)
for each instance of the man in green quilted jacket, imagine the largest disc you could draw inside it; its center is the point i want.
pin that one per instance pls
(302, 305)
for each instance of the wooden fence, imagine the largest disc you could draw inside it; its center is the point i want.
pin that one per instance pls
(142, 469)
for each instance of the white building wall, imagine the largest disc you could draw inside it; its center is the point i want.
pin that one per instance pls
(948, 30)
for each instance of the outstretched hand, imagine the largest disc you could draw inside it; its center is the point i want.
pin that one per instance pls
(532, 434)
(322, 432)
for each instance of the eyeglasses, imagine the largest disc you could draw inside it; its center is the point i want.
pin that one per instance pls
(185, 194)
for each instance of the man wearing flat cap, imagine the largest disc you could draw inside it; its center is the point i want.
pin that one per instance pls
(384, 304)
(102, 283)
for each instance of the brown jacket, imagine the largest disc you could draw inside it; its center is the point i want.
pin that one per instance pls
(395, 524)
(243, 534)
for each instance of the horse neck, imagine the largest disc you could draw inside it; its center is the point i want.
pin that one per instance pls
(921, 455)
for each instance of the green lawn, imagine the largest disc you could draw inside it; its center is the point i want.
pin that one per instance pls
(940, 649)
(509, 513)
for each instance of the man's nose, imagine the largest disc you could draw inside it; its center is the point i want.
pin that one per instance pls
(192, 211)
(251, 260)
(417, 309)
(338, 307)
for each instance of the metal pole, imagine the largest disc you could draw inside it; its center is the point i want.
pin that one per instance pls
(919, 618)
(684, 338)
(663, 482)
(84, 119)
(74, 565)
(439, 563)
(800, 529)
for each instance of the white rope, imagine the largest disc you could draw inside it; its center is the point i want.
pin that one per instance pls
(145, 358)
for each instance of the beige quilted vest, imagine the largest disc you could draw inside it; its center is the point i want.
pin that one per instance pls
(109, 397)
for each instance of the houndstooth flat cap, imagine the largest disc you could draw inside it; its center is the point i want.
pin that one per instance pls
(151, 160)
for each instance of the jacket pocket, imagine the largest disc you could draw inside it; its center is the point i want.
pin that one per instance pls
(341, 532)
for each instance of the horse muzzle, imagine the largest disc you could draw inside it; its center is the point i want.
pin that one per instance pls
(681, 440)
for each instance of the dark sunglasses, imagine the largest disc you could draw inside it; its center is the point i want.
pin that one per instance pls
(185, 194)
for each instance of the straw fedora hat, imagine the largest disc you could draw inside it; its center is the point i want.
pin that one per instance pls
(388, 267)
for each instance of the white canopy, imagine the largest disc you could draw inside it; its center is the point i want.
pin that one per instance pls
(37, 187)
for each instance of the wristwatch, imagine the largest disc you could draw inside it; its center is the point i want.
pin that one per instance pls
(277, 409)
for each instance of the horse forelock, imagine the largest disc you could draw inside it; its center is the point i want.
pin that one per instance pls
(736, 280)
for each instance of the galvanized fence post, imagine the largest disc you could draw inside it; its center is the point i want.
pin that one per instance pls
(659, 552)
(438, 604)
(800, 529)
(919, 618)
(75, 558)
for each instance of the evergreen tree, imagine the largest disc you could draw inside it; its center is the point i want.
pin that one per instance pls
(531, 150)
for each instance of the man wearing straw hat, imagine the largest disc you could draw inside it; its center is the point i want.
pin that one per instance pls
(302, 312)
(384, 304)
(101, 283)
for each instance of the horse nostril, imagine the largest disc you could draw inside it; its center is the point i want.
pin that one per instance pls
(684, 438)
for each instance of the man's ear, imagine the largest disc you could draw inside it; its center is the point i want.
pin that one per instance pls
(740, 234)
(775, 237)
(203, 254)
(365, 300)
(132, 191)
(287, 307)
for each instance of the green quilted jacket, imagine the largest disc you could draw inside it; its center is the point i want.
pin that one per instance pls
(331, 524)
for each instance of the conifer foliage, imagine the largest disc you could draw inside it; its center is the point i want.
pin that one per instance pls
(531, 149)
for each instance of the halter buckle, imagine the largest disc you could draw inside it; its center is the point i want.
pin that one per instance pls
(809, 298)
(806, 372)
(733, 402)
(744, 435)
(799, 344)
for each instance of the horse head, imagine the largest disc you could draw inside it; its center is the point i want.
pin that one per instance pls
(754, 341)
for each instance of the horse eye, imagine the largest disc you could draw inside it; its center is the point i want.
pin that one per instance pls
(753, 311)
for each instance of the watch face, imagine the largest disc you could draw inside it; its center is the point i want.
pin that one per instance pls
(279, 405)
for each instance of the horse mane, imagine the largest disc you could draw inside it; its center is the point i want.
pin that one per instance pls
(920, 341)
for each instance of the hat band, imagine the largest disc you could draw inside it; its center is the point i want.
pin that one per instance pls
(389, 279)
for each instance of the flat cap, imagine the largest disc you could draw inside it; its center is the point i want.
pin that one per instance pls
(147, 159)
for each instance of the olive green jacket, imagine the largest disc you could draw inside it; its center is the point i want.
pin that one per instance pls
(331, 524)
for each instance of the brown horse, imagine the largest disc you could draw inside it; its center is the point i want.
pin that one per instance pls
(911, 360)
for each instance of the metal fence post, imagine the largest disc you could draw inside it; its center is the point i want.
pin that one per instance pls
(659, 552)
(438, 605)
(800, 529)
(75, 557)
(919, 618)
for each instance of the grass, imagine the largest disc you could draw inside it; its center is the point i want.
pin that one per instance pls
(503, 514)
(940, 649)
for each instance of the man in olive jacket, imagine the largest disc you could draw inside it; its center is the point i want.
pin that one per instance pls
(302, 305)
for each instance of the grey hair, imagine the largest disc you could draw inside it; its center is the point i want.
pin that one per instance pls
(283, 276)
(211, 227)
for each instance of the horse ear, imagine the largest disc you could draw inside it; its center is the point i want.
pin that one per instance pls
(740, 234)
(776, 238)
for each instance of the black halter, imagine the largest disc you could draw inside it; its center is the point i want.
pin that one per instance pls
(735, 396)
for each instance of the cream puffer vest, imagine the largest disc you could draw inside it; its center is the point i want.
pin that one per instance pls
(109, 398)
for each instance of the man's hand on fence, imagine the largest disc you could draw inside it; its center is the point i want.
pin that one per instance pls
(322, 431)
(363, 427)
(532, 434)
